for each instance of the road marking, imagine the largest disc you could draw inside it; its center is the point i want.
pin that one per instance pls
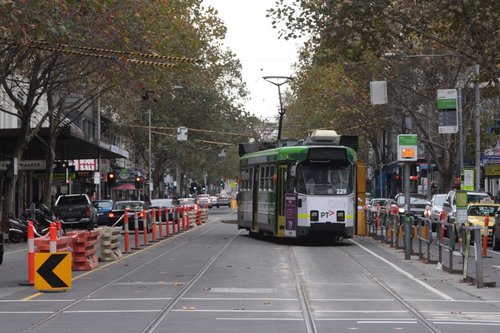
(402, 271)
(386, 321)
(111, 311)
(244, 290)
(128, 299)
(261, 319)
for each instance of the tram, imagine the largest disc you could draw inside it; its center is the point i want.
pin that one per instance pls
(306, 188)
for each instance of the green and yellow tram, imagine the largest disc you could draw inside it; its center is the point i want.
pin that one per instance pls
(302, 190)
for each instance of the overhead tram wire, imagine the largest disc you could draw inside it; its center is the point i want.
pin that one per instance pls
(115, 55)
(118, 52)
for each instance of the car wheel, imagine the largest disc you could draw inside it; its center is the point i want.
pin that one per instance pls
(15, 237)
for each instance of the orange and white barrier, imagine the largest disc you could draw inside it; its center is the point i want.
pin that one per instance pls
(31, 253)
(485, 235)
(145, 226)
(153, 225)
(126, 236)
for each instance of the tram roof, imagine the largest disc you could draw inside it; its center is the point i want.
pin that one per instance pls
(290, 153)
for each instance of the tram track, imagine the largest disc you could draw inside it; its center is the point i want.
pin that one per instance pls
(305, 304)
(150, 327)
(417, 314)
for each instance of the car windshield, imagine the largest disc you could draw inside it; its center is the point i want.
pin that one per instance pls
(413, 201)
(476, 197)
(478, 210)
(129, 205)
(439, 200)
(104, 204)
(186, 201)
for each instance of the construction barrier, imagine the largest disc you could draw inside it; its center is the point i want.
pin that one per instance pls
(198, 217)
(110, 244)
(61, 244)
(84, 249)
(204, 215)
(192, 214)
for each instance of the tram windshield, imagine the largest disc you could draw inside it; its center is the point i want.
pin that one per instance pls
(324, 179)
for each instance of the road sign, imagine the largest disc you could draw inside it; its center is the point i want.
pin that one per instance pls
(182, 134)
(447, 108)
(53, 271)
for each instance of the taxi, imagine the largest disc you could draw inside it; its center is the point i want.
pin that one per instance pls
(476, 213)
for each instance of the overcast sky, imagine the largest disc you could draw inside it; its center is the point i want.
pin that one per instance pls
(251, 37)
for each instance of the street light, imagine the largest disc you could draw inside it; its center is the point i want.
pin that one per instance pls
(279, 81)
(145, 97)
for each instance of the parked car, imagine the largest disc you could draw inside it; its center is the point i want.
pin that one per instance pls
(372, 208)
(103, 207)
(450, 204)
(223, 200)
(75, 211)
(204, 200)
(115, 215)
(476, 213)
(418, 203)
(436, 206)
(213, 200)
(163, 203)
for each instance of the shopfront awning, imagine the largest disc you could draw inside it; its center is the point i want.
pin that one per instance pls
(72, 144)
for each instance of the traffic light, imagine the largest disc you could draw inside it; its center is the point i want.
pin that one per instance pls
(194, 187)
(111, 177)
(221, 184)
(138, 182)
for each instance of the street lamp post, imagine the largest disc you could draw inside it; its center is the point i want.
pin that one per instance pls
(279, 81)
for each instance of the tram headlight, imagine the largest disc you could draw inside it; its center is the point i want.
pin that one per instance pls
(314, 216)
(340, 216)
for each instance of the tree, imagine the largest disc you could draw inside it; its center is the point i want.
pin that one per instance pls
(344, 52)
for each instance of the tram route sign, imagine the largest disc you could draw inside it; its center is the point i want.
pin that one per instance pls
(447, 108)
(290, 215)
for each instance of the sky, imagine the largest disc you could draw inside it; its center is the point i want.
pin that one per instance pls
(251, 37)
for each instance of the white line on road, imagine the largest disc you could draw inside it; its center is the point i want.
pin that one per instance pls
(402, 271)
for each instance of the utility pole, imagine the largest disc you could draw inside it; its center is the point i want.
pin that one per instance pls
(478, 129)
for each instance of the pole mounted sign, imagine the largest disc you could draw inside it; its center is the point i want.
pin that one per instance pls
(447, 108)
(407, 147)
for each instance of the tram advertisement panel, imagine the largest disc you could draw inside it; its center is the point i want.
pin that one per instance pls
(291, 215)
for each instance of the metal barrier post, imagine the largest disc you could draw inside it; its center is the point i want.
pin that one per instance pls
(479, 257)
(136, 231)
(407, 236)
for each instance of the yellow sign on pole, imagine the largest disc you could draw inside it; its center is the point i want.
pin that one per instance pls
(53, 271)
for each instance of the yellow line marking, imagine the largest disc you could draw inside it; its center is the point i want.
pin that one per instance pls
(31, 297)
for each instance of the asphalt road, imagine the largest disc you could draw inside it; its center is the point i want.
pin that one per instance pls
(215, 278)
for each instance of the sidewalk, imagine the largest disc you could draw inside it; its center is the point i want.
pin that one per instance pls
(450, 262)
